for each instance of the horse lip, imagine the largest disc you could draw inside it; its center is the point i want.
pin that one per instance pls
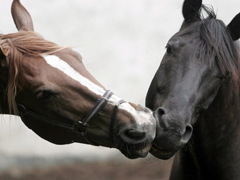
(158, 152)
(140, 153)
(145, 149)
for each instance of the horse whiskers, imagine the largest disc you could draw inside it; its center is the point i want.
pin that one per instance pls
(128, 149)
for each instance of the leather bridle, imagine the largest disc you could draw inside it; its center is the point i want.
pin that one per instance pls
(79, 127)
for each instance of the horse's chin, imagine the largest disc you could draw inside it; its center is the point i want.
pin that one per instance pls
(158, 152)
(136, 153)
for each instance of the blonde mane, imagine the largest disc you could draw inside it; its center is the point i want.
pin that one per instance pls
(14, 47)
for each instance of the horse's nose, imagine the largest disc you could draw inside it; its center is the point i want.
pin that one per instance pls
(187, 134)
(133, 135)
(161, 116)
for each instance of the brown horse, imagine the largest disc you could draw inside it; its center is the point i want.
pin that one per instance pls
(56, 97)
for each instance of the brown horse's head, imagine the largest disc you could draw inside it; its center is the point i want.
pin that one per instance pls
(60, 100)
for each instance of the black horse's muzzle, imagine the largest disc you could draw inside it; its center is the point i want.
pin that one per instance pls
(171, 135)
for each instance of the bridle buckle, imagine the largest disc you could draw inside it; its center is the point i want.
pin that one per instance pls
(80, 127)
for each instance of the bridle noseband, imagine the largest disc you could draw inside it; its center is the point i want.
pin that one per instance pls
(79, 127)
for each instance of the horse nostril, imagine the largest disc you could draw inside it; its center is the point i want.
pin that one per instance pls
(160, 115)
(131, 135)
(135, 133)
(187, 134)
(160, 112)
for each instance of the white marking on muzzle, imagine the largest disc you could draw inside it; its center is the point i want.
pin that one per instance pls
(141, 117)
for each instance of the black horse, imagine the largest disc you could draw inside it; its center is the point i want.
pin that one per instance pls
(195, 96)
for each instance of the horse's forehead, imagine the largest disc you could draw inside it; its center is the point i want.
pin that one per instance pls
(39, 65)
(182, 38)
(32, 66)
(37, 69)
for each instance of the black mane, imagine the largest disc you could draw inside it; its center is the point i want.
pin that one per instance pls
(215, 42)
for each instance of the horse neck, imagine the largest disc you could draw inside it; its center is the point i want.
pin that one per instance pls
(214, 147)
(213, 151)
(3, 100)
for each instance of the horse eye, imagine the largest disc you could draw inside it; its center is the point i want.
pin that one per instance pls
(168, 49)
(45, 95)
(222, 78)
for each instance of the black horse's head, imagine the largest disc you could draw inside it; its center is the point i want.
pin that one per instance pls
(199, 59)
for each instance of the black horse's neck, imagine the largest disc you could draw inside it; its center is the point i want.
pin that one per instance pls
(213, 151)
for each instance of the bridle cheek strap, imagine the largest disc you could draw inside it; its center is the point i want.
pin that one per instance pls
(79, 127)
(113, 119)
(95, 110)
(82, 126)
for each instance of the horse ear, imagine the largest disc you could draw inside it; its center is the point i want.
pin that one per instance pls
(234, 27)
(191, 9)
(21, 17)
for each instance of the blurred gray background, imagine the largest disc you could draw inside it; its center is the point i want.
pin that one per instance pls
(122, 44)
